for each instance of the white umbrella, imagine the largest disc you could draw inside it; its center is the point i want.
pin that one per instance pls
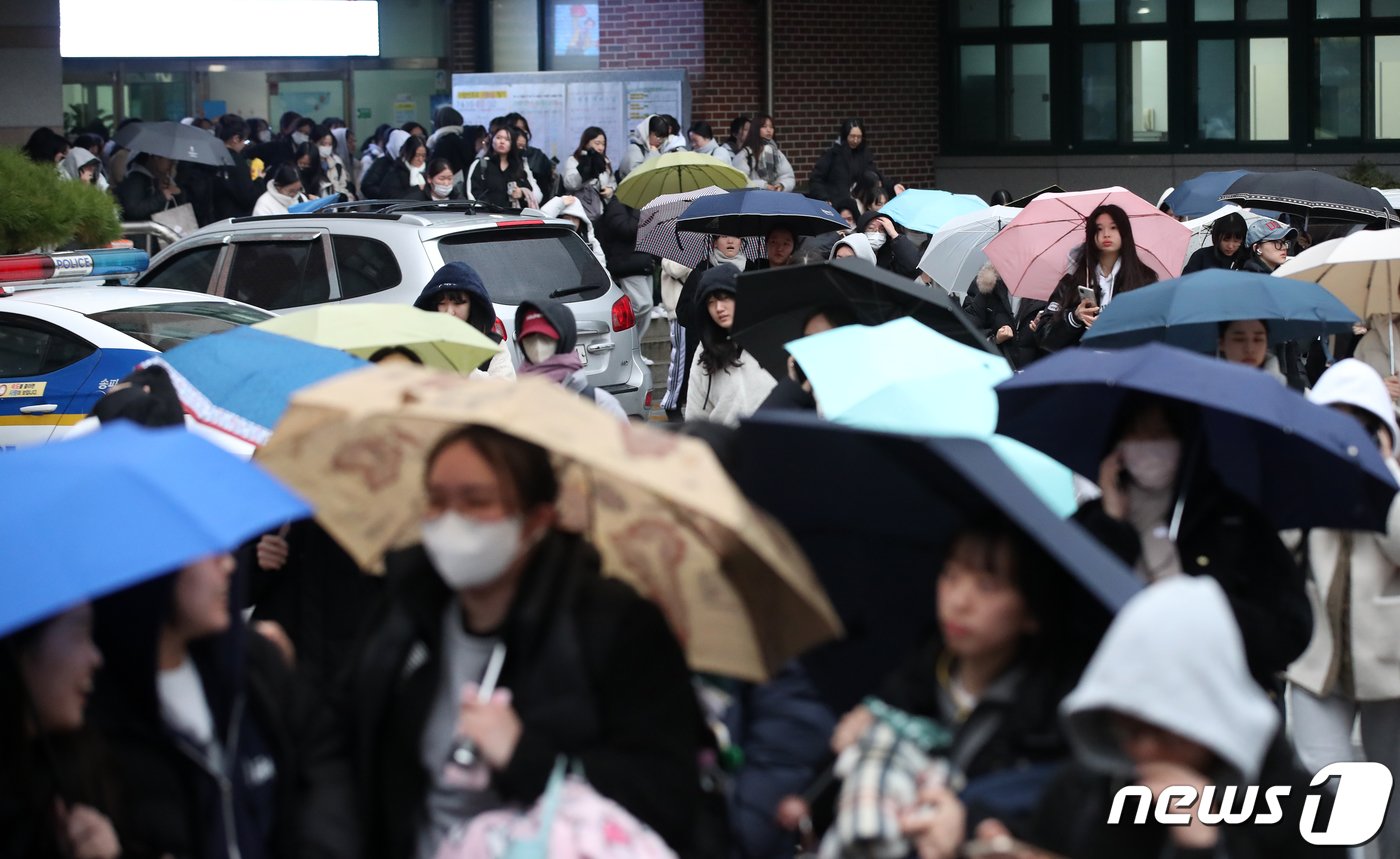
(1200, 227)
(954, 253)
(1362, 269)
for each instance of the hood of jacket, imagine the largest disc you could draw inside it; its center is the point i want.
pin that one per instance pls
(397, 138)
(342, 146)
(1355, 383)
(74, 162)
(576, 209)
(641, 131)
(1173, 658)
(460, 277)
(858, 243)
(558, 314)
(719, 278)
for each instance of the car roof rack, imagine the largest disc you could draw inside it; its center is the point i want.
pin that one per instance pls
(391, 207)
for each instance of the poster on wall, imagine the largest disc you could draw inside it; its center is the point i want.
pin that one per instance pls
(645, 98)
(478, 105)
(544, 106)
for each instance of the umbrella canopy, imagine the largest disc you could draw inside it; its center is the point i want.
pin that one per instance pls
(239, 381)
(955, 253)
(1201, 195)
(755, 211)
(1200, 227)
(903, 377)
(657, 234)
(1362, 269)
(1187, 312)
(1023, 202)
(927, 211)
(773, 304)
(1310, 194)
(879, 556)
(1032, 253)
(661, 510)
(440, 339)
(122, 505)
(1304, 465)
(176, 141)
(676, 173)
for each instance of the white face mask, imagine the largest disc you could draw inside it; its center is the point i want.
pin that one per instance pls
(468, 552)
(538, 348)
(1152, 464)
(265, 135)
(285, 199)
(326, 151)
(298, 138)
(442, 190)
(877, 240)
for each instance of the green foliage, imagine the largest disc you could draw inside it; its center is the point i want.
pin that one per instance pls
(1365, 172)
(79, 117)
(39, 208)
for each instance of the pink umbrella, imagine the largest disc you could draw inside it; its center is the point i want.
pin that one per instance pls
(1032, 253)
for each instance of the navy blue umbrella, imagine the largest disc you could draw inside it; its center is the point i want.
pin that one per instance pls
(1200, 196)
(1304, 465)
(1187, 311)
(875, 513)
(1309, 194)
(755, 211)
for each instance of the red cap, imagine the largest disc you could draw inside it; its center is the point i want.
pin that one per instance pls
(535, 323)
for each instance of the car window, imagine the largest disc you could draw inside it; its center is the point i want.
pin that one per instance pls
(192, 271)
(278, 274)
(364, 266)
(29, 347)
(165, 326)
(518, 263)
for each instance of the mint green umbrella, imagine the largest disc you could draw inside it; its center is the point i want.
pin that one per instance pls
(907, 378)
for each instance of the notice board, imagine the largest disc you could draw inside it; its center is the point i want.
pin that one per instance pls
(560, 105)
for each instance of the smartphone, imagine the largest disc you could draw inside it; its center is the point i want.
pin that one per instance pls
(1087, 296)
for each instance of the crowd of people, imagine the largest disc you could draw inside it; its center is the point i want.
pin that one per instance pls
(276, 700)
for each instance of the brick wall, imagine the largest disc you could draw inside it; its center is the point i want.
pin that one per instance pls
(665, 34)
(462, 45)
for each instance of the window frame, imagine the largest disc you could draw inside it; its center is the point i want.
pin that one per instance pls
(43, 326)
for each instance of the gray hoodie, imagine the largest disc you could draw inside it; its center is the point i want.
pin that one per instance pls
(1173, 658)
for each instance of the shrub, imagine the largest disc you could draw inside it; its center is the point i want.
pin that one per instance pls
(39, 208)
(1365, 172)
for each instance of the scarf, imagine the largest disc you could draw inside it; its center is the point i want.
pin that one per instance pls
(717, 258)
(557, 368)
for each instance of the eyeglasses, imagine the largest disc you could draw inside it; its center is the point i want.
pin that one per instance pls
(1278, 244)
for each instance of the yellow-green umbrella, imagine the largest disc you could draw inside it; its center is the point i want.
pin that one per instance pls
(440, 339)
(677, 173)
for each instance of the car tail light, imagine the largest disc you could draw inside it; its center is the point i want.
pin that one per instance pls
(647, 402)
(499, 328)
(527, 222)
(623, 317)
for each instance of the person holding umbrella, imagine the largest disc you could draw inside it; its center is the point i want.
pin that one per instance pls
(457, 289)
(725, 385)
(1246, 341)
(1105, 265)
(1227, 234)
(148, 187)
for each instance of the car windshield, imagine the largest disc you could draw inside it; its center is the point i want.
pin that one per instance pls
(165, 326)
(518, 264)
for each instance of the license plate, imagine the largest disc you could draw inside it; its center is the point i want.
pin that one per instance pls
(582, 355)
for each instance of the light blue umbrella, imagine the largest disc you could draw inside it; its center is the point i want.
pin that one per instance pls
(903, 377)
(927, 211)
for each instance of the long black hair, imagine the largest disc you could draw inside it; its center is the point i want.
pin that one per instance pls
(589, 133)
(755, 142)
(850, 125)
(1133, 273)
(720, 350)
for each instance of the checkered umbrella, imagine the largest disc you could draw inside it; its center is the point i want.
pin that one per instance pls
(657, 235)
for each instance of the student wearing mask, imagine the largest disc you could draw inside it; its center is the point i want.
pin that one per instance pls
(457, 289)
(1226, 249)
(332, 175)
(856, 245)
(725, 385)
(502, 178)
(440, 185)
(547, 334)
(893, 250)
(762, 161)
(283, 191)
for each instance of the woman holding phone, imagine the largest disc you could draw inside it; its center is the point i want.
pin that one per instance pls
(1106, 265)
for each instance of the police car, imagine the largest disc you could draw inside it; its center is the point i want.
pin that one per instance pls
(62, 347)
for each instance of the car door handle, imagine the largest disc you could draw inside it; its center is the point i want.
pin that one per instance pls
(601, 347)
(38, 410)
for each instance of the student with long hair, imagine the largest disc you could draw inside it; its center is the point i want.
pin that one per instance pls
(725, 384)
(588, 174)
(502, 178)
(762, 161)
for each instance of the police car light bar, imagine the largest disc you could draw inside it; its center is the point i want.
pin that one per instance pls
(59, 267)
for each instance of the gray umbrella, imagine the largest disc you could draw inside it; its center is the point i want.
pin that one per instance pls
(175, 141)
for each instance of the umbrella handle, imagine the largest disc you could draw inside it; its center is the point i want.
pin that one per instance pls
(1189, 463)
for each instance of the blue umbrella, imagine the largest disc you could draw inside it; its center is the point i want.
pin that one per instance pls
(1201, 195)
(926, 211)
(875, 513)
(120, 506)
(1304, 465)
(755, 211)
(240, 380)
(1187, 311)
(314, 205)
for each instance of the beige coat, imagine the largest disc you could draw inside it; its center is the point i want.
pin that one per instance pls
(1374, 348)
(1375, 610)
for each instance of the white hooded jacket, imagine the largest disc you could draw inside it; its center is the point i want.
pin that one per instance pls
(555, 208)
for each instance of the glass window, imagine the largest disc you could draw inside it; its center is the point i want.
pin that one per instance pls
(1030, 92)
(192, 271)
(978, 13)
(1339, 8)
(1099, 11)
(1265, 10)
(32, 348)
(1215, 10)
(1338, 94)
(1385, 8)
(515, 36)
(524, 263)
(1030, 13)
(1388, 87)
(977, 92)
(1149, 77)
(1215, 89)
(364, 266)
(165, 326)
(1100, 82)
(157, 96)
(1268, 89)
(1147, 11)
(275, 275)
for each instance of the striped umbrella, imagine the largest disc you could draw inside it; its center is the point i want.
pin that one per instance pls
(657, 234)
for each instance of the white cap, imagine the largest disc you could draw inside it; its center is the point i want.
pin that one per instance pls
(1355, 383)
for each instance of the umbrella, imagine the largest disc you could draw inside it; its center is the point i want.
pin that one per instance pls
(773, 304)
(122, 505)
(1309, 194)
(239, 380)
(1201, 195)
(175, 141)
(1200, 227)
(954, 253)
(1362, 269)
(1023, 202)
(1304, 465)
(1031, 253)
(879, 557)
(675, 173)
(657, 235)
(1187, 312)
(661, 510)
(902, 377)
(927, 211)
(755, 211)
(441, 340)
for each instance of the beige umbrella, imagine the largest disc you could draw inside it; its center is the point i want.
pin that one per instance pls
(665, 517)
(1362, 270)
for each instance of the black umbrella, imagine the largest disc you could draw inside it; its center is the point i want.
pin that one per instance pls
(756, 211)
(875, 514)
(1309, 194)
(1025, 201)
(774, 303)
(175, 141)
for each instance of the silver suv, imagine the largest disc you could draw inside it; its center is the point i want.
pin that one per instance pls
(385, 252)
